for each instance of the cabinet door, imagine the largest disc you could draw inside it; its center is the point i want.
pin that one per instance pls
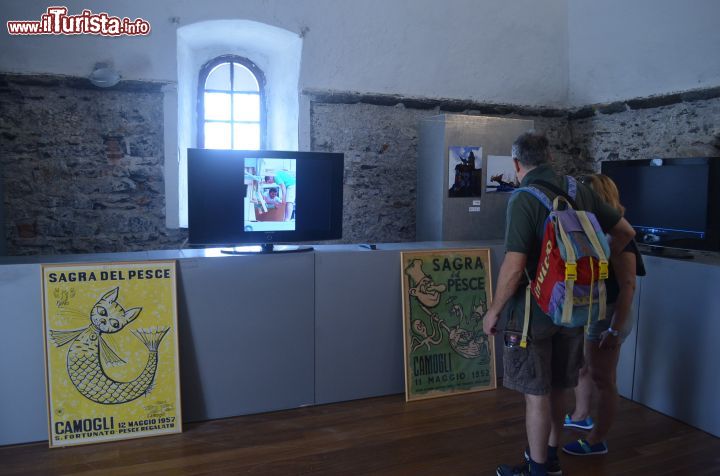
(23, 415)
(246, 337)
(358, 337)
(677, 345)
(626, 364)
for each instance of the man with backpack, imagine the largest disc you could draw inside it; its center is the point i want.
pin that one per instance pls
(543, 359)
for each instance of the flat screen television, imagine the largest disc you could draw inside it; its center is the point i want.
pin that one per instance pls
(263, 197)
(671, 202)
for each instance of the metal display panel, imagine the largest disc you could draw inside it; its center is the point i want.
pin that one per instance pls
(479, 215)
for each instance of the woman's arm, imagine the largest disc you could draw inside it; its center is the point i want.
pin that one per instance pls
(624, 268)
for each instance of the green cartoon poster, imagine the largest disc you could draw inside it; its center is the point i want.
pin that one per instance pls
(445, 295)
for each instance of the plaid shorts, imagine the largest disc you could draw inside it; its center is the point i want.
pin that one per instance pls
(549, 361)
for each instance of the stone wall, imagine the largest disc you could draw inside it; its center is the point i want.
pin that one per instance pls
(679, 125)
(82, 167)
(379, 136)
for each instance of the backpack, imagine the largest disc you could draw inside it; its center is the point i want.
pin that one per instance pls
(569, 285)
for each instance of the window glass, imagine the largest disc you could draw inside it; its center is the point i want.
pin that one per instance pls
(246, 136)
(217, 135)
(232, 94)
(217, 107)
(243, 79)
(219, 78)
(246, 107)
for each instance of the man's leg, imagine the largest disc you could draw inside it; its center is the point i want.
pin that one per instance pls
(537, 425)
(527, 370)
(557, 412)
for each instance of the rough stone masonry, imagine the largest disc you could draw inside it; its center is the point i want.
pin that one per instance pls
(82, 168)
(380, 145)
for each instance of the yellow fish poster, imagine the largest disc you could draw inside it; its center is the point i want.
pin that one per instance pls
(111, 351)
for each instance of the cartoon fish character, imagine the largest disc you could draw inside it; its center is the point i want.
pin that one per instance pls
(88, 349)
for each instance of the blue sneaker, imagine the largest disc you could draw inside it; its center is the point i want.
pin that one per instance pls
(583, 448)
(586, 424)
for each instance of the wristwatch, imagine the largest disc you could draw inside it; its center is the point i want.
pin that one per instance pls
(613, 332)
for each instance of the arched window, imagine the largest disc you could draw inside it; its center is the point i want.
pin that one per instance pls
(231, 104)
(273, 57)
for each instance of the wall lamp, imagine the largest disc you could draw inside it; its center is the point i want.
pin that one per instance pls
(104, 76)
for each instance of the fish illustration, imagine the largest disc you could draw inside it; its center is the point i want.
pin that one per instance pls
(88, 351)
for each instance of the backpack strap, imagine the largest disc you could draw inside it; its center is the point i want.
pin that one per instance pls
(570, 271)
(571, 189)
(602, 262)
(544, 198)
(526, 320)
(572, 186)
(537, 193)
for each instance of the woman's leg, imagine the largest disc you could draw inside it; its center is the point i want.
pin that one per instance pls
(583, 391)
(602, 365)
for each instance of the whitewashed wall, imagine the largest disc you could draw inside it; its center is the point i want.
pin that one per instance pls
(555, 52)
(489, 51)
(622, 49)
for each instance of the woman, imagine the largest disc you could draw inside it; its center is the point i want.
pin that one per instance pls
(603, 340)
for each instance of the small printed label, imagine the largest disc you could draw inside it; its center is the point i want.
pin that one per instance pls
(476, 203)
(473, 209)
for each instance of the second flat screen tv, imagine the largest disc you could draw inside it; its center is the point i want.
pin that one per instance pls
(671, 202)
(238, 197)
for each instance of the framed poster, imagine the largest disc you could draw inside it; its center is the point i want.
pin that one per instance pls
(445, 295)
(465, 171)
(111, 351)
(501, 175)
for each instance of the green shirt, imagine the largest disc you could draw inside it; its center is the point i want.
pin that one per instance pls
(526, 217)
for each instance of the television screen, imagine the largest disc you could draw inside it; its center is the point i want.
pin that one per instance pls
(262, 197)
(670, 202)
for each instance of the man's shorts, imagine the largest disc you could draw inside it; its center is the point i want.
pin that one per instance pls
(552, 360)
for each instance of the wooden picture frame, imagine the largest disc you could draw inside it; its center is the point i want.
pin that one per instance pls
(111, 351)
(445, 295)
